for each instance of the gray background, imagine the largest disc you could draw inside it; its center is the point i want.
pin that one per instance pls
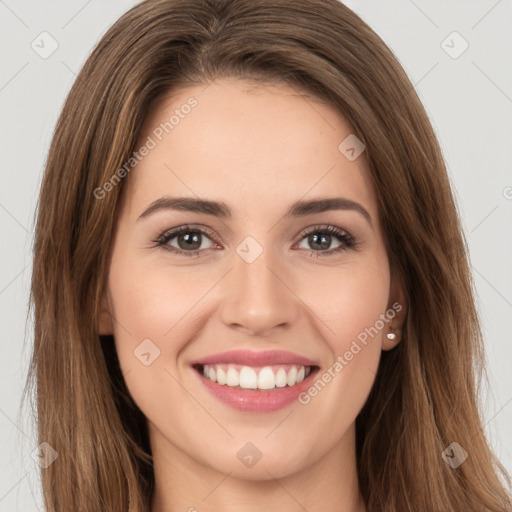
(469, 101)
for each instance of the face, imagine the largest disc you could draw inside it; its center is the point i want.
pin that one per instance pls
(258, 289)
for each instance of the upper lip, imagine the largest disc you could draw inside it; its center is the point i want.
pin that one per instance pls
(261, 358)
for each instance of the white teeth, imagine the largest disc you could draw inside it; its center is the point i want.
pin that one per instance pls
(281, 378)
(232, 377)
(221, 376)
(269, 377)
(291, 378)
(266, 379)
(248, 378)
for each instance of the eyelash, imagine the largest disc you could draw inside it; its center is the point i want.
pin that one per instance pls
(347, 241)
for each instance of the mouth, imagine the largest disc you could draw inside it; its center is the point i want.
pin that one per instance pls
(256, 388)
(255, 378)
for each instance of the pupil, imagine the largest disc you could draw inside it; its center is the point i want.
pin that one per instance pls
(324, 241)
(190, 240)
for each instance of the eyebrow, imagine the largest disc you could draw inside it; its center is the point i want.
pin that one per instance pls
(219, 209)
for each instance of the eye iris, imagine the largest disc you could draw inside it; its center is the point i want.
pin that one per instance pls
(190, 239)
(325, 241)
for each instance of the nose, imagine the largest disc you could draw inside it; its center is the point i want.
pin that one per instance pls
(259, 297)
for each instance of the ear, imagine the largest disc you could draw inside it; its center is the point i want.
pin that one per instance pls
(105, 324)
(396, 311)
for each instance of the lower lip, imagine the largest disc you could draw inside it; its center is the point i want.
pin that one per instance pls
(255, 400)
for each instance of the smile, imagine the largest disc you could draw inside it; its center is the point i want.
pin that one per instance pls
(260, 378)
(255, 389)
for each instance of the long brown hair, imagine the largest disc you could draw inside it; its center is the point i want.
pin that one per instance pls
(425, 394)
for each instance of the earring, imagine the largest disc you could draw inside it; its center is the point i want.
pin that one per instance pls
(392, 336)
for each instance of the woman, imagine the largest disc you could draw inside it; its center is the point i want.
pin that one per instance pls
(250, 282)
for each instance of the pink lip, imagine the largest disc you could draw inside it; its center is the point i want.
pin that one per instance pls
(254, 400)
(251, 358)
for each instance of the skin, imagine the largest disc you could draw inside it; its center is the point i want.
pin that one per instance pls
(258, 149)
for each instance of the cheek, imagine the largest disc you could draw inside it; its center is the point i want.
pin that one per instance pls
(159, 310)
(155, 317)
(350, 308)
(349, 301)
(153, 302)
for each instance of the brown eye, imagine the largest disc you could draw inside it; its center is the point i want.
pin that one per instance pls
(189, 241)
(320, 240)
(186, 240)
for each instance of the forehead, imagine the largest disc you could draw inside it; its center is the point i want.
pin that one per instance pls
(247, 145)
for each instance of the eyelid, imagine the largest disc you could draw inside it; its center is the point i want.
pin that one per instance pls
(323, 227)
(188, 227)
